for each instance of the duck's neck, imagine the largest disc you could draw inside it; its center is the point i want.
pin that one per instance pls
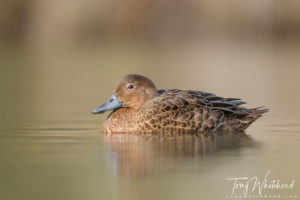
(121, 120)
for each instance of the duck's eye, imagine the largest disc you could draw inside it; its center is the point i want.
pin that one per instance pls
(130, 86)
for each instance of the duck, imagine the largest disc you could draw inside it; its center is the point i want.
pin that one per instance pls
(138, 107)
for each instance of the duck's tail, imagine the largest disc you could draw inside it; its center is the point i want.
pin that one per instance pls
(244, 122)
(255, 113)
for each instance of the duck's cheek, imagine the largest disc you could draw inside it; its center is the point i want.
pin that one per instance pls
(126, 105)
(137, 103)
(126, 100)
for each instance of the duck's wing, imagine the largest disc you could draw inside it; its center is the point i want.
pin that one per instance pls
(189, 111)
(195, 99)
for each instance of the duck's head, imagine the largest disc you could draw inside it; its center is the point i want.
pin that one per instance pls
(131, 92)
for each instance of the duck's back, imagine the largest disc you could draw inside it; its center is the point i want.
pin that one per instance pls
(194, 111)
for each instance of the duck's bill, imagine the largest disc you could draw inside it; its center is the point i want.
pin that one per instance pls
(112, 104)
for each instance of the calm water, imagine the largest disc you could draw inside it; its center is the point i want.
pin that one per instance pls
(51, 146)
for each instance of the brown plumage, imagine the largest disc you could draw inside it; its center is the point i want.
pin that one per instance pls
(139, 107)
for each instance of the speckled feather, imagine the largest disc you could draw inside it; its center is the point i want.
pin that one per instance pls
(183, 111)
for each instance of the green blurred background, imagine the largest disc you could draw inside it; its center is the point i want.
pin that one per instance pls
(66, 52)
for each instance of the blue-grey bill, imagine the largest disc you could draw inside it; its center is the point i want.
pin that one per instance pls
(112, 104)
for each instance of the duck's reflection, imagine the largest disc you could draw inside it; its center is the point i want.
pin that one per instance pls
(137, 155)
